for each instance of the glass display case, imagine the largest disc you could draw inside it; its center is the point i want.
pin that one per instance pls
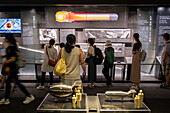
(115, 35)
(46, 34)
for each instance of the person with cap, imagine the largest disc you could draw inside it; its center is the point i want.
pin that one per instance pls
(108, 62)
(165, 58)
(136, 62)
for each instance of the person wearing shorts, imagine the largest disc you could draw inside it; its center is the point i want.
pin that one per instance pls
(166, 60)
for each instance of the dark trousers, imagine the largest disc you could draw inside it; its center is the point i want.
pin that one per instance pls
(13, 75)
(43, 78)
(108, 77)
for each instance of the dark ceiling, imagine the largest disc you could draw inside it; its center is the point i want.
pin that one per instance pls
(93, 2)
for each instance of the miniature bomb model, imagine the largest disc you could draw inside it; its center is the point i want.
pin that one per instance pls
(140, 96)
(79, 88)
(136, 99)
(78, 98)
(75, 90)
(119, 94)
(74, 101)
(140, 101)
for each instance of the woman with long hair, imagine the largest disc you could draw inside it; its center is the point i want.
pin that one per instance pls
(73, 57)
(12, 70)
(50, 52)
(91, 64)
(136, 62)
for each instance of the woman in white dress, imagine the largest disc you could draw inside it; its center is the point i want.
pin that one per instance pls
(52, 53)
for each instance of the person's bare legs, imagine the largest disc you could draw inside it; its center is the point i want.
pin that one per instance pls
(167, 79)
(137, 85)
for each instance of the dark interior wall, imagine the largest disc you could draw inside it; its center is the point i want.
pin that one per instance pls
(163, 26)
(46, 2)
(10, 12)
(142, 20)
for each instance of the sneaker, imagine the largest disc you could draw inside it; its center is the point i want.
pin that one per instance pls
(107, 85)
(4, 102)
(134, 87)
(90, 86)
(163, 85)
(29, 99)
(40, 87)
(93, 86)
(2, 89)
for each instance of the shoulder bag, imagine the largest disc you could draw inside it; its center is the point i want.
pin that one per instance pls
(50, 62)
(60, 67)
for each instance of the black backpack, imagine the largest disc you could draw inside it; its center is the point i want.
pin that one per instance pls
(98, 58)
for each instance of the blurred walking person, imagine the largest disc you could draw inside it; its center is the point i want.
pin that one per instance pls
(4, 74)
(12, 70)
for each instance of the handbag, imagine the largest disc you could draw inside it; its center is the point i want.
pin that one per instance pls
(50, 62)
(87, 60)
(60, 67)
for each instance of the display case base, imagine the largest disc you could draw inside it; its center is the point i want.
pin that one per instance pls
(51, 104)
(117, 105)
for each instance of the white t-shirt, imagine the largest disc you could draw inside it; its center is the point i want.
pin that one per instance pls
(90, 51)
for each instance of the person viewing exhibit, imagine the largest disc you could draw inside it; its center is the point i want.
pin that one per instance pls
(50, 53)
(91, 65)
(108, 62)
(165, 58)
(62, 45)
(136, 62)
(73, 57)
(12, 70)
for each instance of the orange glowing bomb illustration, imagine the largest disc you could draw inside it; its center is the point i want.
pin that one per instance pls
(8, 25)
(64, 16)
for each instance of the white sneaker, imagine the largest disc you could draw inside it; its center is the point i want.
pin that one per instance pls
(3, 101)
(134, 87)
(29, 99)
(40, 87)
